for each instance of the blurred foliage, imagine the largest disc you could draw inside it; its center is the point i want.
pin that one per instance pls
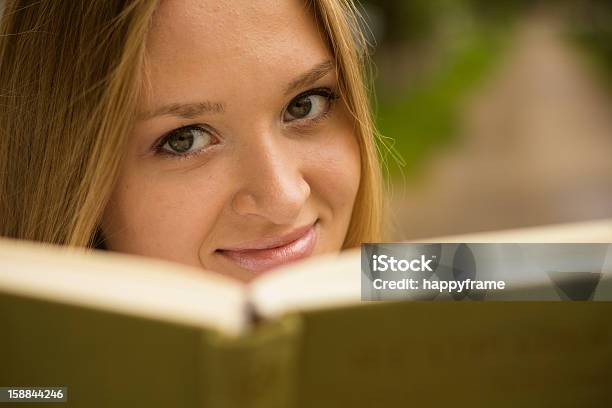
(426, 116)
(466, 37)
(406, 20)
(414, 20)
(590, 24)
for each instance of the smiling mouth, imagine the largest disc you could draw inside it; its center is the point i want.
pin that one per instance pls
(267, 253)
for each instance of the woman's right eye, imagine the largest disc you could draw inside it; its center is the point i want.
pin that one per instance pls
(185, 141)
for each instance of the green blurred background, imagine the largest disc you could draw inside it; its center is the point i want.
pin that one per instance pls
(498, 112)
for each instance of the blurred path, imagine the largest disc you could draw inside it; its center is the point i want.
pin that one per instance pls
(536, 147)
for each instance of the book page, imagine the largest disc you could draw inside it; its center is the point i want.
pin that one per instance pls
(331, 281)
(167, 291)
(325, 281)
(580, 232)
(125, 284)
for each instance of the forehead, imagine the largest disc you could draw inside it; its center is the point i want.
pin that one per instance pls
(220, 45)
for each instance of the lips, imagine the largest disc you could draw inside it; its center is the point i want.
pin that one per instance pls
(269, 252)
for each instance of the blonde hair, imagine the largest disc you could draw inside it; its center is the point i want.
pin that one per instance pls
(70, 79)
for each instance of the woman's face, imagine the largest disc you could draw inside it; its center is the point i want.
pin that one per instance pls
(243, 157)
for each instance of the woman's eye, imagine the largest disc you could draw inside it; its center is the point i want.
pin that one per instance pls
(185, 141)
(311, 105)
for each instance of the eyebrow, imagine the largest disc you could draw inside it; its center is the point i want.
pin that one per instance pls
(185, 110)
(196, 109)
(313, 75)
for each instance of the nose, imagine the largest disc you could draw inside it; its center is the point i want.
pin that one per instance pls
(272, 184)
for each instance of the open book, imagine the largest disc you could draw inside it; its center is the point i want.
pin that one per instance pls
(124, 331)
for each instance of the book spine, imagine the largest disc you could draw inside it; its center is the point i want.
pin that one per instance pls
(255, 370)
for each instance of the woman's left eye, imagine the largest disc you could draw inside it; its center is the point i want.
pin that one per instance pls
(309, 105)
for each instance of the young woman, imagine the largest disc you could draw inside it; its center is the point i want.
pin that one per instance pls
(231, 135)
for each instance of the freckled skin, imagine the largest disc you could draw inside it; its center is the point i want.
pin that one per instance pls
(264, 176)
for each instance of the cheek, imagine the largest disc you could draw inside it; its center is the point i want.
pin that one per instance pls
(336, 171)
(165, 217)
